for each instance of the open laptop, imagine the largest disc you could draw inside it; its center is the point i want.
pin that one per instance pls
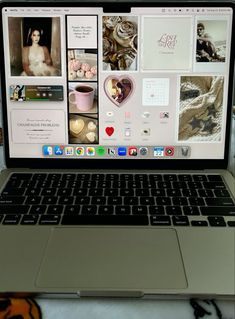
(116, 129)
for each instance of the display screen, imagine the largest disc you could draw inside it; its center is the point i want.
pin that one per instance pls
(148, 84)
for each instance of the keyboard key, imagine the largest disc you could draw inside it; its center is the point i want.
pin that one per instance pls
(64, 192)
(21, 176)
(55, 209)
(160, 220)
(66, 200)
(49, 200)
(49, 220)
(123, 210)
(112, 177)
(199, 178)
(89, 210)
(158, 192)
(189, 193)
(127, 177)
(104, 184)
(180, 201)
(111, 192)
(80, 192)
(95, 192)
(178, 185)
(39, 176)
(156, 210)
(170, 177)
(9, 191)
(98, 200)
(155, 177)
(191, 210)
(219, 211)
(199, 223)
(205, 193)
(11, 200)
(105, 220)
(184, 177)
(114, 201)
(142, 192)
(173, 210)
(214, 178)
(49, 191)
(164, 185)
(14, 209)
(214, 185)
(221, 193)
(106, 210)
(147, 201)
(226, 201)
(33, 191)
(216, 221)
(97, 177)
(82, 200)
(162, 201)
(131, 200)
(33, 200)
(196, 201)
(139, 210)
(69, 177)
(173, 192)
(38, 209)
(180, 220)
(126, 192)
(195, 185)
(29, 220)
(11, 220)
(72, 209)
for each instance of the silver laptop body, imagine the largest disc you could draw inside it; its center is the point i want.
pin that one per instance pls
(98, 100)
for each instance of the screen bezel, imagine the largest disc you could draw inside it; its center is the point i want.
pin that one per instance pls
(76, 163)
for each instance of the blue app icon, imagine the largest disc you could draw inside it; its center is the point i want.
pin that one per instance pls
(47, 150)
(122, 151)
(58, 150)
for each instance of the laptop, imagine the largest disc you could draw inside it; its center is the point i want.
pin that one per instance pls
(117, 123)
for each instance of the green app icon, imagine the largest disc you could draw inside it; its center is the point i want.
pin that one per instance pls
(100, 151)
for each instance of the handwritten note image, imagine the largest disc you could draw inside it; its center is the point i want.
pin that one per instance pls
(82, 32)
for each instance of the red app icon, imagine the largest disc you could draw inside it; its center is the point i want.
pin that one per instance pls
(169, 151)
(132, 151)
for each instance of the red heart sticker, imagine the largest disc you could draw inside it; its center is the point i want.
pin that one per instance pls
(109, 130)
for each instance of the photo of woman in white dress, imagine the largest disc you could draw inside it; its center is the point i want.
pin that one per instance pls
(35, 46)
(36, 59)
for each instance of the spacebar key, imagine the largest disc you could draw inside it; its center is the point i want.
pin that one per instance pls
(104, 220)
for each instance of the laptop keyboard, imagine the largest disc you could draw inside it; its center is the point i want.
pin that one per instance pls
(181, 200)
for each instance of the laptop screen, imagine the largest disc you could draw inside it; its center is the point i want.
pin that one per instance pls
(84, 83)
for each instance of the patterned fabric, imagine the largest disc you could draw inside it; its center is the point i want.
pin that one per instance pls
(19, 308)
(201, 102)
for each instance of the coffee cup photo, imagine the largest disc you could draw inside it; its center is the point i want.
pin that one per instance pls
(83, 97)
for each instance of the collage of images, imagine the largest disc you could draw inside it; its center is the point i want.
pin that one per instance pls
(83, 97)
(120, 54)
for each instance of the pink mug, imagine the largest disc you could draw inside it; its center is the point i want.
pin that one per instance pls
(83, 97)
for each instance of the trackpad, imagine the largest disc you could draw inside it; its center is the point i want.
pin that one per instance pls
(112, 258)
